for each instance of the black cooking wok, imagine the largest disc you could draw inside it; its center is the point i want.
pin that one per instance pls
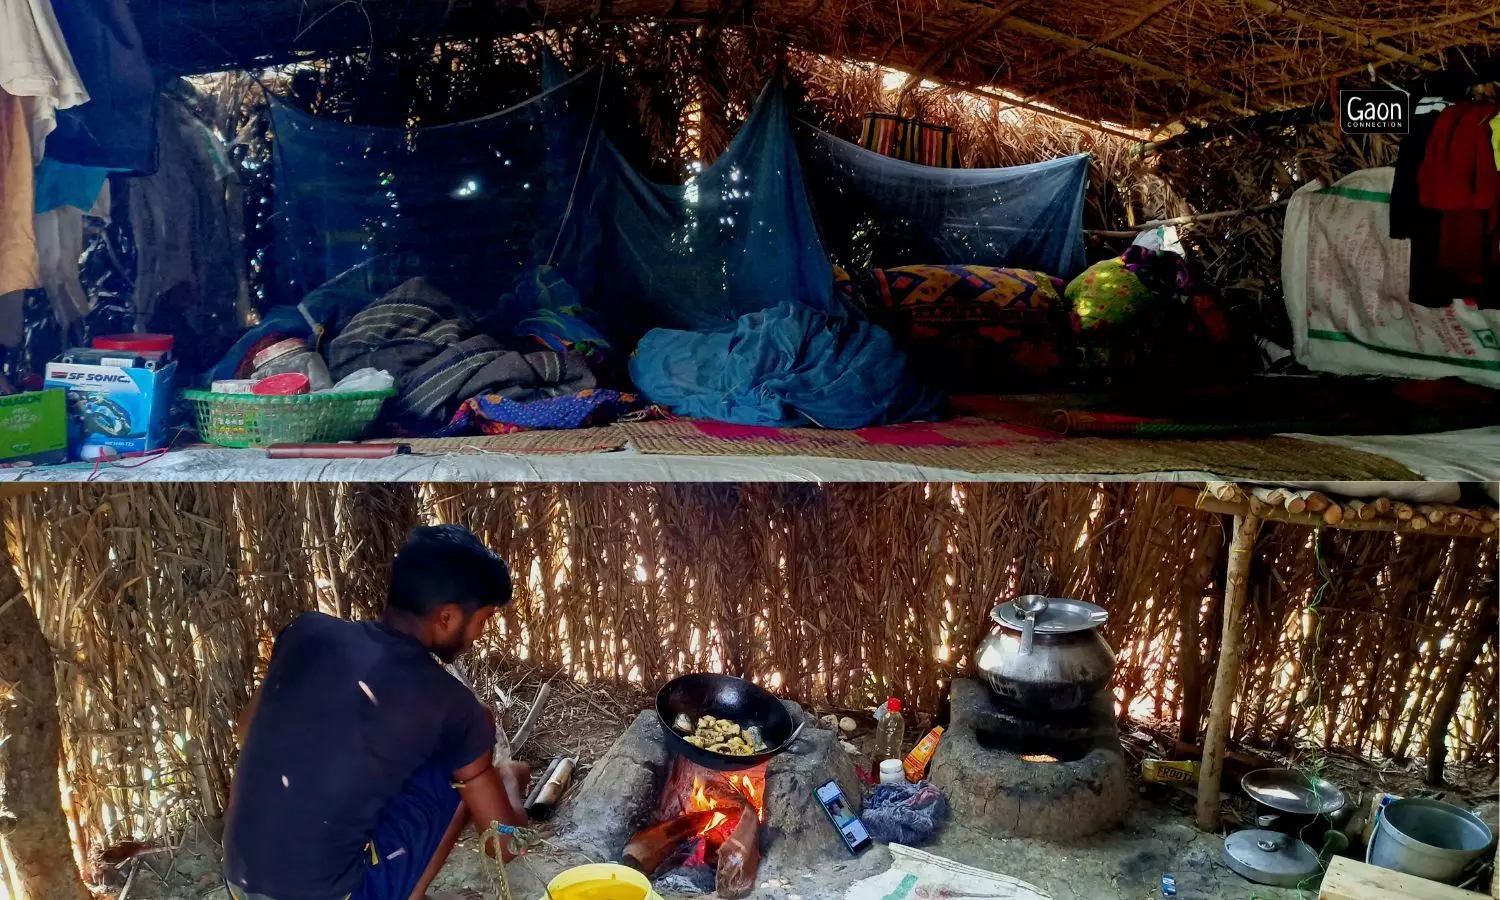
(724, 697)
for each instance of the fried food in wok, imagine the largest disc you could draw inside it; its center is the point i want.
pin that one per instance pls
(720, 735)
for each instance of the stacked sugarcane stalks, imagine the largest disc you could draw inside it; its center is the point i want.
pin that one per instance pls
(1358, 514)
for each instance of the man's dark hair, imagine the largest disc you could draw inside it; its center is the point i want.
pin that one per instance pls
(443, 564)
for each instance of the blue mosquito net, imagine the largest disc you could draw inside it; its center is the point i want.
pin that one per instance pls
(475, 205)
(482, 204)
(726, 276)
(877, 211)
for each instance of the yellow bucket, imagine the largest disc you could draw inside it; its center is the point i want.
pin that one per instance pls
(601, 881)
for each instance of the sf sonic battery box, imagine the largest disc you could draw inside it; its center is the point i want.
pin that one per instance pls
(114, 410)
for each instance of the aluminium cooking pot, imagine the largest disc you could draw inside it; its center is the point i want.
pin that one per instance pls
(1046, 654)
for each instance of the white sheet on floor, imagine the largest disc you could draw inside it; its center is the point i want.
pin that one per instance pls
(1469, 455)
(1455, 456)
(217, 464)
(917, 873)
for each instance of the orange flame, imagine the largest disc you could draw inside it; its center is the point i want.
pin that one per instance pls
(751, 788)
(753, 791)
(699, 800)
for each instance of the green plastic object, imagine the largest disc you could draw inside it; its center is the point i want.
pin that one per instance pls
(34, 428)
(249, 420)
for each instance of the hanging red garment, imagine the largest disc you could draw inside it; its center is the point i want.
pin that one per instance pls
(1458, 181)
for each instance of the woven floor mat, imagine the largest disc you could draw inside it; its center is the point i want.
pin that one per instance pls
(1269, 459)
(583, 440)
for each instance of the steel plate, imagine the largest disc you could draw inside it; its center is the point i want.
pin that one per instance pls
(1291, 791)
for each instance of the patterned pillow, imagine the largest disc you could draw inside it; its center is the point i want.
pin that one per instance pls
(970, 329)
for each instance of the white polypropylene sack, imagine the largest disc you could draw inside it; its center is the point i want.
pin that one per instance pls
(914, 873)
(1347, 283)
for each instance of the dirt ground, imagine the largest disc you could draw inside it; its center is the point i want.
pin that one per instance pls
(1124, 863)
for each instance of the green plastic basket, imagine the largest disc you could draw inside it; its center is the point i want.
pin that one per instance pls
(249, 420)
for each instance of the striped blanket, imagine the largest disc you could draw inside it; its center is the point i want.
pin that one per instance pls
(911, 140)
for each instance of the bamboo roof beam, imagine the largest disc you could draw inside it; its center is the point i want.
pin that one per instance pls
(1396, 54)
(1130, 27)
(1026, 105)
(1042, 31)
(943, 52)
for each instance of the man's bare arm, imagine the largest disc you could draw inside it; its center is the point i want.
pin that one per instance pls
(493, 794)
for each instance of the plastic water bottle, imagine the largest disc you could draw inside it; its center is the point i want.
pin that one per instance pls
(890, 733)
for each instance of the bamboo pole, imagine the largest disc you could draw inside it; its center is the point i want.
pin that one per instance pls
(1352, 37)
(1226, 679)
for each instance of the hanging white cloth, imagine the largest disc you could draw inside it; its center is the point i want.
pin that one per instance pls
(59, 245)
(35, 64)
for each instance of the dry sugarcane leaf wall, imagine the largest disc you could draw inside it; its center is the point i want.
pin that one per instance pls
(161, 602)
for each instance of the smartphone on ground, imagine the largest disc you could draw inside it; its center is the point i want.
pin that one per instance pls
(851, 830)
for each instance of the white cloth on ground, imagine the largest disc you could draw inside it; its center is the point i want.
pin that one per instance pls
(916, 873)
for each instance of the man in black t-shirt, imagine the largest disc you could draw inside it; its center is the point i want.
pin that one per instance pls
(363, 757)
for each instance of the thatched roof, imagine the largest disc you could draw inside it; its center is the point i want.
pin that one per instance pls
(1136, 62)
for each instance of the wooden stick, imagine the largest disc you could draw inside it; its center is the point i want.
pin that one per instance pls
(1466, 656)
(1207, 554)
(1227, 678)
(1333, 514)
(528, 724)
(1361, 42)
(1227, 491)
(1189, 219)
(1056, 61)
(1317, 501)
(1036, 29)
(1273, 497)
(739, 858)
(1405, 512)
(649, 847)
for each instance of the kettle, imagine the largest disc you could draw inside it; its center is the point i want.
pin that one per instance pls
(1046, 654)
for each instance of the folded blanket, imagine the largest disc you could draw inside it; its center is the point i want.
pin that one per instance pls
(785, 366)
(439, 361)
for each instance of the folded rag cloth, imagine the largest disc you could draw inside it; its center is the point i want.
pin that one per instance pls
(493, 414)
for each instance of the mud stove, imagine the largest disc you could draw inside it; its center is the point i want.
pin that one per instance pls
(1033, 749)
(694, 829)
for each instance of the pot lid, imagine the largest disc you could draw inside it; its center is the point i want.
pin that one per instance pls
(1291, 791)
(1270, 857)
(1062, 615)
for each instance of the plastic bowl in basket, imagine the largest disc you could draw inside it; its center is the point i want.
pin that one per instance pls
(249, 420)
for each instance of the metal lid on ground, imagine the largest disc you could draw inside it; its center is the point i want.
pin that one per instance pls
(1053, 615)
(1270, 857)
(1291, 791)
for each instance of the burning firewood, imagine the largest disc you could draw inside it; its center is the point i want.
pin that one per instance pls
(739, 858)
(650, 846)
